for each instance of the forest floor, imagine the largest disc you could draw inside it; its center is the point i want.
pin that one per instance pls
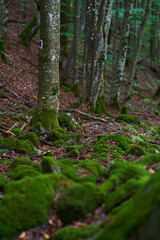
(18, 95)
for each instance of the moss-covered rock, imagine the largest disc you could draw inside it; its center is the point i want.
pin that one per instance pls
(24, 146)
(67, 120)
(38, 128)
(150, 159)
(127, 118)
(50, 165)
(137, 150)
(86, 171)
(77, 200)
(57, 134)
(18, 132)
(32, 137)
(22, 171)
(74, 153)
(139, 219)
(26, 203)
(48, 152)
(9, 143)
(21, 161)
(58, 143)
(3, 181)
(83, 233)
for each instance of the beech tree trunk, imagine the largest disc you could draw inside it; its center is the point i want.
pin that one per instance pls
(135, 57)
(75, 49)
(3, 27)
(120, 62)
(100, 52)
(48, 82)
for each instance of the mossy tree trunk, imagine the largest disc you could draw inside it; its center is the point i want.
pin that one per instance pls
(75, 49)
(48, 82)
(3, 27)
(135, 57)
(30, 31)
(100, 52)
(120, 63)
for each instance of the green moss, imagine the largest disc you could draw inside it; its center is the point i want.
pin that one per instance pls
(71, 206)
(72, 147)
(18, 117)
(59, 143)
(3, 94)
(136, 218)
(82, 233)
(32, 137)
(48, 151)
(57, 134)
(76, 90)
(73, 153)
(123, 192)
(75, 136)
(25, 35)
(24, 146)
(21, 161)
(137, 150)
(24, 206)
(75, 105)
(21, 171)
(150, 159)
(2, 115)
(3, 182)
(49, 119)
(66, 120)
(127, 118)
(50, 165)
(9, 143)
(66, 89)
(38, 128)
(100, 107)
(116, 103)
(18, 132)
(86, 171)
(2, 50)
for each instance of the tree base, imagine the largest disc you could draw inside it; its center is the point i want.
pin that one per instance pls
(100, 107)
(76, 90)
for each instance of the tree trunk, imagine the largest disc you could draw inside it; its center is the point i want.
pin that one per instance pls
(3, 27)
(88, 48)
(30, 31)
(75, 50)
(135, 57)
(100, 51)
(69, 65)
(48, 82)
(120, 63)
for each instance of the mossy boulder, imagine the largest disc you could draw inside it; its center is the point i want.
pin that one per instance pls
(9, 143)
(24, 146)
(137, 150)
(128, 118)
(38, 128)
(83, 233)
(32, 137)
(21, 161)
(48, 152)
(86, 171)
(50, 165)
(59, 143)
(140, 218)
(22, 171)
(3, 181)
(57, 134)
(26, 203)
(67, 120)
(18, 132)
(73, 153)
(77, 200)
(150, 159)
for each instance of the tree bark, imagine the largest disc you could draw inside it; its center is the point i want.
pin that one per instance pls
(48, 82)
(3, 27)
(75, 50)
(135, 57)
(120, 63)
(100, 52)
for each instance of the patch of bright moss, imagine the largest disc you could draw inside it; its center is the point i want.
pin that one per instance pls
(49, 152)
(18, 132)
(24, 205)
(38, 128)
(67, 121)
(21, 171)
(137, 150)
(24, 146)
(32, 137)
(82, 233)
(59, 143)
(127, 118)
(57, 134)
(71, 206)
(21, 161)
(150, 159)
(3, 181)
(50, 165)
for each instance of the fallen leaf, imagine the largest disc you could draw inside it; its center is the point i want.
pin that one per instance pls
(22, 235)
(151, 171)
(46, 236)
